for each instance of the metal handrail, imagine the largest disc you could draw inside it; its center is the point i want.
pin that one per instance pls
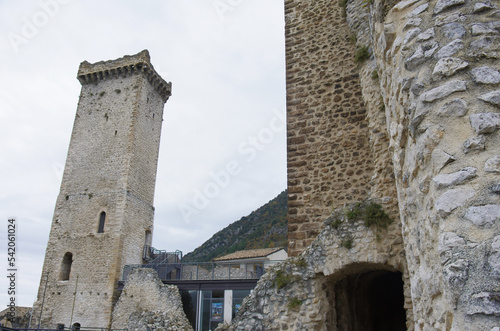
(204, 270)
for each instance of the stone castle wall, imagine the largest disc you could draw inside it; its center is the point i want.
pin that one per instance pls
(111, 168)
(427, 103)
(330, 161)
(438, 66)
(302, 293)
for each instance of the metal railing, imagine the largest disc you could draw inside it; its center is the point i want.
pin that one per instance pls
(203, 270)
(156, 256)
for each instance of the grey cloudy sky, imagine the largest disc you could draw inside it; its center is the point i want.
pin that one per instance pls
(222, 151)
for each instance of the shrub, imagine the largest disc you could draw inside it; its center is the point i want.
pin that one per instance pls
(336, 223)
(294, 303)
(347, 243)
(375, 215)
(353, 213)
(282, 279)
(301, 262)
(362, 54)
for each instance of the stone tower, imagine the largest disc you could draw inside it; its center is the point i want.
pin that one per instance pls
(104, 212)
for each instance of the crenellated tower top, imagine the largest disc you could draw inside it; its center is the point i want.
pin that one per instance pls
(93, 73)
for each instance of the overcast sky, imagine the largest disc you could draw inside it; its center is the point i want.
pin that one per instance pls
(222, 151)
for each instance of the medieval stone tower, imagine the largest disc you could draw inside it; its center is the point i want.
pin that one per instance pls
(104, 212)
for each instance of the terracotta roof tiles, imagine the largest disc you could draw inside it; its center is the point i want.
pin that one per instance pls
(247, 254)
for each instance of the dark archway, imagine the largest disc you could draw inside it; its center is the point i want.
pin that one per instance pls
(370, 301)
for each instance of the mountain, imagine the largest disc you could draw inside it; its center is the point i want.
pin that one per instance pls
(265, 227)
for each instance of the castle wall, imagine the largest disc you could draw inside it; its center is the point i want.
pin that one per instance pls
(110, 168)
(146, 302)
(438, 66)
(429, 80)
(330, 162)
(301, 293)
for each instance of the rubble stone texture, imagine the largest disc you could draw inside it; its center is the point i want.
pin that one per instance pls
(418, 81)
(110, 168)
(146, 303)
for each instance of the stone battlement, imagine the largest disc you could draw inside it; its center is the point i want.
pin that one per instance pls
(93, 73)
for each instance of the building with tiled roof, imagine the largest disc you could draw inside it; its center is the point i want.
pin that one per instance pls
(264, 254)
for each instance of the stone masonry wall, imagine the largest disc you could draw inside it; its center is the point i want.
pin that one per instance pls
(115, 141)
(438, 63)
(146, 303)
(329, 158)
(299, 294)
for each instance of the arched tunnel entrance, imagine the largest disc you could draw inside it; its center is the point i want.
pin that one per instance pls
(369, 301)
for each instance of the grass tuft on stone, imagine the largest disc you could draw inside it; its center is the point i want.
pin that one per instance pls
(362, 54)
(294, 303)
(375, 215)
(347, 243)
(282, 279)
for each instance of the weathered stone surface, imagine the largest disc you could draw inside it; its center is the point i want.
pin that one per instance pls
(443, 91)
(485, 122)
(406, 83)
(417, 88)
(417, 119)
(455, 178)
(495, 14)
(308, 274)
(485, 75)
(448, 66)
(481, 6)
(441, 159)
(419, 10)
(410, 35)
(492, 97)
(412, 23)
(404, 4)
(453, 199)
(486, 46)
(445, 4)
(454, 108)
(436, 283)
(494, 259)
(441, 20)
(456, 275)
(485, 28)
(474, 144)
(156, 320)
(416, 59)
(453, 31)
(450, 49)
(146, 303)
(426, 35)
(447, 242)
(344, 111)
(430, 48)
(492, 164)
(495, 188)
(487, 303)
(483, 216)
